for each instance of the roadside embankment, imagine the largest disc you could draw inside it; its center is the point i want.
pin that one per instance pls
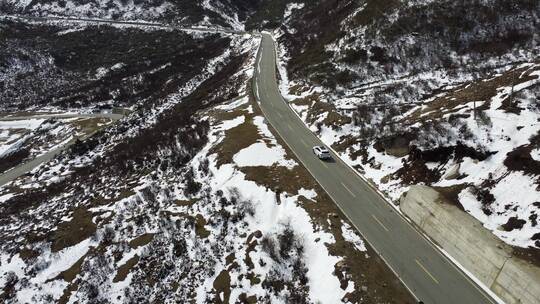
(488, 258)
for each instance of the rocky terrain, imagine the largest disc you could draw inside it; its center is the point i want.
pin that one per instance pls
(441, 93)
(190, 197)
(175, 201)
(222, 13)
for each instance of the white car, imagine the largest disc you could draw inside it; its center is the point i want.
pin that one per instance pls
(322, 152)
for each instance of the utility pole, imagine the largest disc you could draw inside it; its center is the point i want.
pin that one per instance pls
(475, 80)
(513, 85)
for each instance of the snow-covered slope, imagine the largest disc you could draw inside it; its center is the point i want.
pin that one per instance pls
(188, 198)
(222, 12)
(393, 85)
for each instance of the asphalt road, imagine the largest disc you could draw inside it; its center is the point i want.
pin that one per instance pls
(430, 276)
(28, 166)
(63, 116)
(120, 22)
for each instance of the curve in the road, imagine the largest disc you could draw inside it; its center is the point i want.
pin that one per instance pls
(28, 166)
(120, 22)
(423, 269)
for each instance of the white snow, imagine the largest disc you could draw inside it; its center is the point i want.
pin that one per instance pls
(29, 124)
(11, 137)
(521, 198)
(103, 9)
(351, 236)
(233, 104)
(52, 265)
(290, 8)
(229, 124)
(309, 194)
(19, 3)
(232, 19)
(270, 217)
(262, 153)
(6, 197)
(535, 154)
(259, 154)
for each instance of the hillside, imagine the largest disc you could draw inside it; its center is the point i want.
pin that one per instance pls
(172, 202)
(167, 184)
(224, 13)
(441, 93)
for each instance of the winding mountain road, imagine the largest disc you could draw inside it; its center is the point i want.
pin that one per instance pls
(430, 276)
(28, 166)
(97, 21)
(424, 270)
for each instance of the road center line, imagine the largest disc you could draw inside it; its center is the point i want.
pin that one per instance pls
(426, 271)
(303, 142)
(347, 189)
(380, 223)
(290, 128)
(279, 114)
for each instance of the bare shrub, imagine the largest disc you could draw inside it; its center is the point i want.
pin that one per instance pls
(484, 119)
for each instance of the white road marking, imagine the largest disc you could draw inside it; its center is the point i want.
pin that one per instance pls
(437, 250)
(380, 223)
(426, 271)
(347, 188)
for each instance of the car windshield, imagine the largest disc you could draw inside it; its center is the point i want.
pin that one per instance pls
(324, 150)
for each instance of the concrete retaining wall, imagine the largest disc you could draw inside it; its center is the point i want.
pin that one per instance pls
(476, 248)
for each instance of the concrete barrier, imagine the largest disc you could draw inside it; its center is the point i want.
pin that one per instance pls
(473, 246)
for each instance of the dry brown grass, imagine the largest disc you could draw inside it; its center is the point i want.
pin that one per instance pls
(28, 254)
(75, 231)
(383, 286)
(316, 108)
(142, 240)
(200, 230)
(91, 125)
(278, 178)
(67, 293)
(101, 201)
(125, 269)
(480, 91)
(184, 203)
(222, 284)
(236, 139)
(252, 243)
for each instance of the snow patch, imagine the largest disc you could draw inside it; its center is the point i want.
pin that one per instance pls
(351, 236)
(259, 154)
